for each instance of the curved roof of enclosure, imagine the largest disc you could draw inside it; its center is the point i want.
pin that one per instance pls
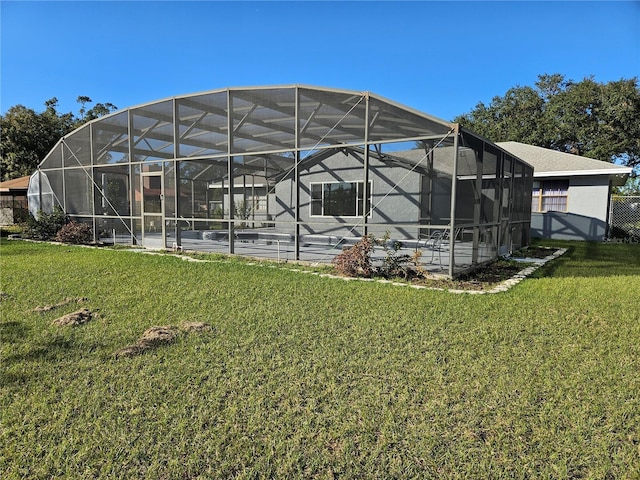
(243, 121)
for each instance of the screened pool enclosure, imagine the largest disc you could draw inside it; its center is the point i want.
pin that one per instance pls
(289, 173)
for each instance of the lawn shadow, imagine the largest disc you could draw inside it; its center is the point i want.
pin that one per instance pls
(12, 332)
(47, 349)
(550, 269)
(593, 259)
(27, 362)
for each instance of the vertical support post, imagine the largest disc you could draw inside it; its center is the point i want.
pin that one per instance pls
(176, 175)
(426, 192)
(296, 179)
(222, 195)
(266, 189)
(193, 198)
(497, 201)
(244, 191)
(163, 207)
(64, 181)
(132, 179)
(365, 185)
(509, 183)
(454, 182)
(176, 182)
(94, 220)
(40, 184)
(477, 204)
(253, 203)
(610, 219)
(230, 168)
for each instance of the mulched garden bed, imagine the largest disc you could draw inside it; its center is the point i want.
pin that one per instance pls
(490, 275)
(483, 278)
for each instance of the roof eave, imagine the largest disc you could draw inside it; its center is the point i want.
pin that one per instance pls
(621, 172)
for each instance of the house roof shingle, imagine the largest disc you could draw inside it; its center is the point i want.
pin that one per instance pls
(21, 183)
(546, 162)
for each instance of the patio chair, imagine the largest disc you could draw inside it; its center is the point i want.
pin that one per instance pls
(437, 241)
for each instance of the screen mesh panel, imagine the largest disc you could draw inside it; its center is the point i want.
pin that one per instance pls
(202, 125)
(53, 159)
(170, 191)
(113, 230)
(201, 189)
(520, 202)
(153, 132)
(263, 119)
(136, 207)
(330, 118)
(55, 179)
(111, 190)
(507, 186)
(77, 148)
(490, 185)
(111, 139)
(389, 122)
(78, 192)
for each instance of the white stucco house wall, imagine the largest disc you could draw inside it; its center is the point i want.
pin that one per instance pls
(571, 194)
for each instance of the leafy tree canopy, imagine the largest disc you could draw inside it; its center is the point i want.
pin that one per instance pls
(589, 118)
(27, 136)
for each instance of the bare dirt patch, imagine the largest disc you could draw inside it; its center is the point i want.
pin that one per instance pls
(160, 335)
(74, 319)
(66, 301)
(195, 327)
(154, 336)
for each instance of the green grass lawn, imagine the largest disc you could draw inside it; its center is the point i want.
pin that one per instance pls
(311, 377)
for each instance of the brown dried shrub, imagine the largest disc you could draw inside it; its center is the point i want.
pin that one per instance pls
(355, 261)
(75, 232)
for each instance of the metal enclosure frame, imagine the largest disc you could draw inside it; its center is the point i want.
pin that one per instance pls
(237, 164)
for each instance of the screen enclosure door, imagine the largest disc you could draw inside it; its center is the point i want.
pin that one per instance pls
(152, 208)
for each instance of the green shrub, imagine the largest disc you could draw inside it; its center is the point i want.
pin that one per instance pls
(46, 226)
(394, 264)
(20, 215)
(75, 232)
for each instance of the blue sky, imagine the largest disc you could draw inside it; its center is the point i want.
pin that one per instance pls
(439, 57)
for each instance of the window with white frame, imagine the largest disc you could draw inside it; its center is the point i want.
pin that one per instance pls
(550, 196)
(338, 199)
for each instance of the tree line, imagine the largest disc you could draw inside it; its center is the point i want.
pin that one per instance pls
(588, 118)
(27, 136)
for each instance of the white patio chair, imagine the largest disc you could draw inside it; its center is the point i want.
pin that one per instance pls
(437, 241)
